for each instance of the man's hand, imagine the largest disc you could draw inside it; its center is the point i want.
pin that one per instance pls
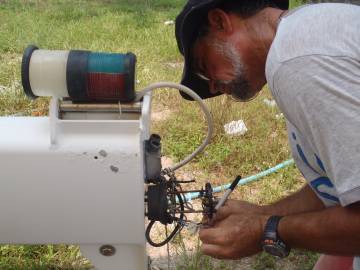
(239, 207)
(236, 232)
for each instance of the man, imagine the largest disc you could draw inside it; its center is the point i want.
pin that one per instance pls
(310, 58)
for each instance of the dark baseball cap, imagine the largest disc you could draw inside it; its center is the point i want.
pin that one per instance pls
(194, 15)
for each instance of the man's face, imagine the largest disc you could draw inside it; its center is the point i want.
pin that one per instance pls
(220, 64)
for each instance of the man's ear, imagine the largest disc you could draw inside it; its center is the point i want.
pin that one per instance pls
(219, 20)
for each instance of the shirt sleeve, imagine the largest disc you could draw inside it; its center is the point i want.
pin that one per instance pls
(320, 96)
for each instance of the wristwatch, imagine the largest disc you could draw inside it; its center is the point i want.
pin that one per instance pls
(271, 242)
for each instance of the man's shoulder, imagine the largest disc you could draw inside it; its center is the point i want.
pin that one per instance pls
(312, 31)
(320, 29)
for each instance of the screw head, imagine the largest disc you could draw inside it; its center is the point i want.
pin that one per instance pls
(107, 250)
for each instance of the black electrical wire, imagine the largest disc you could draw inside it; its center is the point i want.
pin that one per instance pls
(173, 233)
(187, 204)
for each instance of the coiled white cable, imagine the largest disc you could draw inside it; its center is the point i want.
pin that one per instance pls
(203, 107)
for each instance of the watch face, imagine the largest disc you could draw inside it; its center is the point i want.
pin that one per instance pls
(275, 250)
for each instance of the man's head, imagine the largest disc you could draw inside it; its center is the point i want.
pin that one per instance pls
(225, 43)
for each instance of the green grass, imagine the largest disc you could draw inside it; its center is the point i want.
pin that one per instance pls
(42, 257)
(138, 26)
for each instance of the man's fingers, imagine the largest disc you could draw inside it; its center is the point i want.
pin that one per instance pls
(231, 203)
(226, 210)
(206, 234)
(223, 213)
(214, 236)
(215, 251)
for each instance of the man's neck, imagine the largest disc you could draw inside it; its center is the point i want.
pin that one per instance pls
(262, 28)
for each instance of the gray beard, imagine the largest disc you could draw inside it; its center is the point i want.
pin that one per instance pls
(239, 87)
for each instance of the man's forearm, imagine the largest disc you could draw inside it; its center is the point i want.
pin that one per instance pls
(239, 227)
(309, 225)
(335, 230)
(305, 200)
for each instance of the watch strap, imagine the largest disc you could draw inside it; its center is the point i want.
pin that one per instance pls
(270, 231)
(271, 239)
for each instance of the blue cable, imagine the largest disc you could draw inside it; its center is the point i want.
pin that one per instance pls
(247, 180)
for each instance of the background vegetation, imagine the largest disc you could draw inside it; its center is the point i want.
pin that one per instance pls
(138, 26)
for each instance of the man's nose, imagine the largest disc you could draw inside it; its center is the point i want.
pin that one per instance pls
(212, 87)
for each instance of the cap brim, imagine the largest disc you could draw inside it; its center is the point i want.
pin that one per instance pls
(195, 83)
(187, 33)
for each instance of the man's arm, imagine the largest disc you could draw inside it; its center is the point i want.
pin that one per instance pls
(335, 230)
(239, 227)
(304, 200)
(307, 224)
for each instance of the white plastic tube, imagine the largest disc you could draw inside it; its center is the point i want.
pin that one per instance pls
(203, 107)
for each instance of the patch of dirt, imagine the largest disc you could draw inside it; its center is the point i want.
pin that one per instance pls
(160, 115)
(175, 65)
(3, 88)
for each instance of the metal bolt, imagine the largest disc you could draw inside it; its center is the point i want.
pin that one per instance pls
(114, 169)
(107, 250)
(103, 153)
